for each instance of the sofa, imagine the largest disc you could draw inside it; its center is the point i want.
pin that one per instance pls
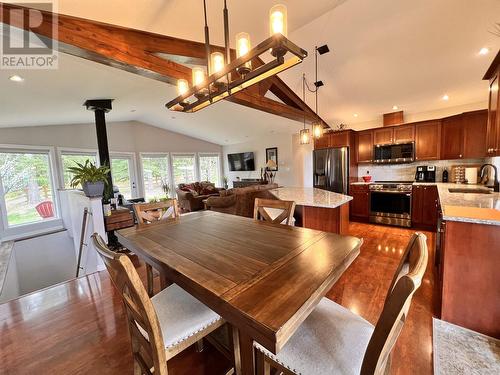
(191, 196)
(240, 201)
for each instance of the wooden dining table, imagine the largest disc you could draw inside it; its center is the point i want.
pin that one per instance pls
(263, 279)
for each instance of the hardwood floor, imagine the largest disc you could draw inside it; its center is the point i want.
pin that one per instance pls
(79, 328)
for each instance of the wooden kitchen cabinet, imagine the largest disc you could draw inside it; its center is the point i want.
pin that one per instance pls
(335, 139)
(364, 141)
(424, 207)
(428, 140)
(493, 127)
(452, 137)
(322, 142)
(464, 136)
(360, 204)
(404, 134)
(383, 136)
(475, 128)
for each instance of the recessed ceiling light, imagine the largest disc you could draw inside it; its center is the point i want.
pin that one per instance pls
(484, 51)
(395, 107)
(445, 97)
(16, 78)
(355, 115)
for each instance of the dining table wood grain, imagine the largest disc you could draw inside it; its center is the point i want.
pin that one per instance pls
(262, 279)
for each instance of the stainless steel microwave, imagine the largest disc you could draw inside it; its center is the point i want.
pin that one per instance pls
(393, 154)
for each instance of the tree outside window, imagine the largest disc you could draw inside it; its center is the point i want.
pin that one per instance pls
(27, 187)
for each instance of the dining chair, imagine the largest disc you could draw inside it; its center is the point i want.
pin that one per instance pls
(159, 327)
(151, 213)
(284, 217)
(333, 340)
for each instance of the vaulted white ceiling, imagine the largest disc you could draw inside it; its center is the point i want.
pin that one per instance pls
(384, 53)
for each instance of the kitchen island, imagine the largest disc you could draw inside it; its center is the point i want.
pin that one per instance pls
(317, 209)
(469, 257)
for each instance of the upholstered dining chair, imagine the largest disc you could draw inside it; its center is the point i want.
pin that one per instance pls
(160, 327)
(150, 213)
(333, 340)
(262, 207)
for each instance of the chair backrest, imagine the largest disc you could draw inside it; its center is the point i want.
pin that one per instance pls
(260, 213)
(148, 351)
(406, 281)
(147, 213)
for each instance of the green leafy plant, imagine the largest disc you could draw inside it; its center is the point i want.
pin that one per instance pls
(88, 172)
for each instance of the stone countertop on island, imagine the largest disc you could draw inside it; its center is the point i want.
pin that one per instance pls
(313, 197)
(475, 208)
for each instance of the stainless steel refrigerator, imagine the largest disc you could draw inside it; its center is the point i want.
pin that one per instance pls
(331, 169)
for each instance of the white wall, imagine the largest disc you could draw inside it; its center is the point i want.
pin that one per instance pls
(130, 136)
(294, 160)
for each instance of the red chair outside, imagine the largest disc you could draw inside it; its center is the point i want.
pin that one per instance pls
(45, 209)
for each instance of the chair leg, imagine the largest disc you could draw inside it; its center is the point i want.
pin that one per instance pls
(200, 345)
(137, 368)
(149, 275)
(262, 367)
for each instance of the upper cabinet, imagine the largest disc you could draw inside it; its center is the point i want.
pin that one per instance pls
(336, 139)
(364, 141)
(493, 127)
(427, 140)
(383, 136)
(452, 137)
(394, 134)
(475, 127)
(464, 136)
(404, 134)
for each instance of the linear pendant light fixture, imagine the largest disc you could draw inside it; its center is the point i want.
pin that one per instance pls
(226, 77)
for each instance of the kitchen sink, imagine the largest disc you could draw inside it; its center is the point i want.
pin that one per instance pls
(471, 191)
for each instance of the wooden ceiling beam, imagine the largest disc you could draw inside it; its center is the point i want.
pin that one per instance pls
(150, 55)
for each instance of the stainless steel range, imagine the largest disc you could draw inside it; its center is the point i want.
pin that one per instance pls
(390, 203)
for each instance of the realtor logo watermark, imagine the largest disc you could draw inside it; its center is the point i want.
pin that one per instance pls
(28, 35)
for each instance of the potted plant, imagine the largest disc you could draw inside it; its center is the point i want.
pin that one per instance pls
(92, 179)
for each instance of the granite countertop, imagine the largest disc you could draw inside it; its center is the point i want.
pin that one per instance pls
(469, 207)
(5, 252)
(308, 196)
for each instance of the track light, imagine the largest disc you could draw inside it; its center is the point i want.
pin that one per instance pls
(323, 49)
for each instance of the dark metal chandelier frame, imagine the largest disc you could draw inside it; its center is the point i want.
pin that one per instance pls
(221, 84)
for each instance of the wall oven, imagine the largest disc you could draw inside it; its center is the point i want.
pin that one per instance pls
(390, 203)
(393, 154)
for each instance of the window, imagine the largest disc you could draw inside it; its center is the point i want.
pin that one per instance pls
(26, 187)
(156, 177)
(184, 169)
(210, 168)
(69, 159)
(123, 174)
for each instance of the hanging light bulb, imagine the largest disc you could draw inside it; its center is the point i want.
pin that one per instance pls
(317, 130)
(182, 86)
(243, 46)
(278, 20)
(198, 76)
(305, 137)
(216, 62)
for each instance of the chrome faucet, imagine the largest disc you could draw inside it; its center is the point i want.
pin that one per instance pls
(496, 186)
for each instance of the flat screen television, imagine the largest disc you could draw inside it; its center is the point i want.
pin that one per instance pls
(244, 161)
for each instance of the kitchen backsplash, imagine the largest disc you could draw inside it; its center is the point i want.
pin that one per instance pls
(406, 172)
